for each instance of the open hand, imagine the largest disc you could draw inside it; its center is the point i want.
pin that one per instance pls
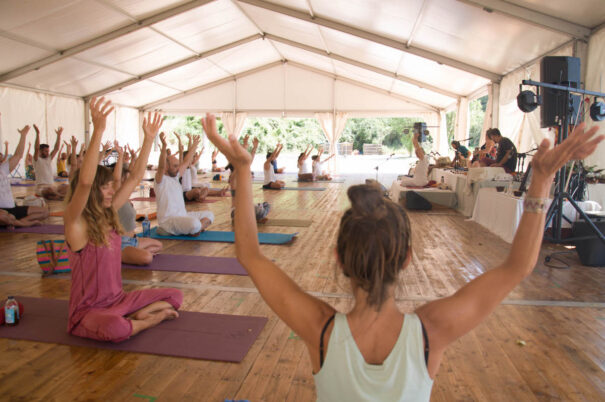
(59, 131)
(232, 149)
(152, 124)
(163, 139)
(23, 131)
(99, 110)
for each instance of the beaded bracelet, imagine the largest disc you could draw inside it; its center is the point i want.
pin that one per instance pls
(535, 205)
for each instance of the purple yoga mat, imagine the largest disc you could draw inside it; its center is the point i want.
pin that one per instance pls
(46, 229)
(23, 184)
(192, 335)
(192, 263)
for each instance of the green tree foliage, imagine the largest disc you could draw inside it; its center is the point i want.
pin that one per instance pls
(450, 120)
(388, 131)
(476, 109)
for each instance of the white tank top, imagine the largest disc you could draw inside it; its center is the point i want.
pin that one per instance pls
(421, 173)
(345, 376)
(269, 174)
(43, 167)
(303, 168)
(317, 168)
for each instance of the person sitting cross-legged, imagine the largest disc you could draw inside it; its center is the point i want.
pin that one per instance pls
(45, 183)
(24, 215)
(271, 182)
(173, 218)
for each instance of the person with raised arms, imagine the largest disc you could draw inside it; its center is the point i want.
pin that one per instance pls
(98, 306)
(375, 352)
(318, 172)
(173, 218)
(45, 182)
(270, 181)
(421, 171)
(23, 215)
(303, 169)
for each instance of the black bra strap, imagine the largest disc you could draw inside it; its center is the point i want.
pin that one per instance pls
(426, 344)
(321, 341)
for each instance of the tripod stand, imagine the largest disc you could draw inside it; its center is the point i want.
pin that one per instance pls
(382, 163)
(555, 214)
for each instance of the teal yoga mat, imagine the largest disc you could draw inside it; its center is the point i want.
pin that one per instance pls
(228, 237)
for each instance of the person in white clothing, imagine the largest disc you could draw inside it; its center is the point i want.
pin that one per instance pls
(318, 173)
(43, 168)
(173, 218)
(376, 352)
(271, 182)
(23, 215)
(303, 168)
(201, 190)
(421, 172)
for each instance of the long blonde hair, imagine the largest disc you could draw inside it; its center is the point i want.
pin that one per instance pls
(98, 218)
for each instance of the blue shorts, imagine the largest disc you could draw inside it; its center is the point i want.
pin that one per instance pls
(129, 242)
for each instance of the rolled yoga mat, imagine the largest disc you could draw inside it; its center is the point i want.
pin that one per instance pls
(192, 335)
(227, 237)
(192, 263)
(298, 223)
(46, 229)
(152, 199)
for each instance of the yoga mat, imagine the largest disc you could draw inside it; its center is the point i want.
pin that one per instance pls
(299, 188)
(300, 223)
(17, 184)
(192, 263)
(322, 181)
(57, 213)
(139, 217)
(192, 335)
(228, 237)
(46, 229)
(152, 199)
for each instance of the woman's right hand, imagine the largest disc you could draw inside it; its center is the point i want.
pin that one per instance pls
(99, 110)
(232, 149)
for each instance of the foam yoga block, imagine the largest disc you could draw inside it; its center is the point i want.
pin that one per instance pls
(228, 237)
(192, 335)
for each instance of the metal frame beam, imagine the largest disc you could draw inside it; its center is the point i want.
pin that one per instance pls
(364, 66)
(164, 15)
(172, 66)
(374, 38)
(209, 85)
(532, 17)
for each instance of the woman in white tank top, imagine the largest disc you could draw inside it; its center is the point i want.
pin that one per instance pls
(270, 182)
(375, 352)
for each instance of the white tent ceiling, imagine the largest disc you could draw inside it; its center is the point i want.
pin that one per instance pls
(141, 52)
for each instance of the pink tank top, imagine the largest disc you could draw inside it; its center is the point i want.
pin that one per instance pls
(96, 278)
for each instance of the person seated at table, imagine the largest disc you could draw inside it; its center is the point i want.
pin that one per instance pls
(421, 172)
(23, 215)
(303, 168)
(462, 154)
(270, 181)
(173, 218)
(135, 250)
(507, 152)
(487, 150)
(45, 184)
(317, 164)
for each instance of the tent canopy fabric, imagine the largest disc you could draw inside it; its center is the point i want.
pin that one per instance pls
(280, 56)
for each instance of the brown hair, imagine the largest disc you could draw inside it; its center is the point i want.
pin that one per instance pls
(374, 240)
(98, 218)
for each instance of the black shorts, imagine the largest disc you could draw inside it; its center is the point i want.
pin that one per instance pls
(18, 212)
(267, 186)
(232, 193)
(185, 196)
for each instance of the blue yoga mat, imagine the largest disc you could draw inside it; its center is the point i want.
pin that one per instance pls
(227, 237)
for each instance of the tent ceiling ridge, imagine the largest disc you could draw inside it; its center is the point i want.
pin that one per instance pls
(99, 40)
(383, 40)
(364, 66)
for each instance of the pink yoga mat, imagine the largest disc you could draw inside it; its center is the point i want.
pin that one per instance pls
(152, 199)
(193, 335)
(46, 229)
(192, 263)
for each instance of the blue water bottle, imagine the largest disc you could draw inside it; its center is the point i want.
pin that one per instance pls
(146, 227)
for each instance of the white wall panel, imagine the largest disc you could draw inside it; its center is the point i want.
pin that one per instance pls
(263, 90)
(354, 98)
(219, 98)
(245, 57)
(191, 75)
(67, 113)
(307, 91)
(140, 94)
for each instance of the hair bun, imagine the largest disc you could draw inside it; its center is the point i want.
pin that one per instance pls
(367, 200)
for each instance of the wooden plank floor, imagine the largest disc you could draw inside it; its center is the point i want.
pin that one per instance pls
(560, 314)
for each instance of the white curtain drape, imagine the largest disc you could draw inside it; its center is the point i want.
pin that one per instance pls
(441, 145)
(488, 118)
(332, 125)
(595, 81)
(461, 130)
(234, 122)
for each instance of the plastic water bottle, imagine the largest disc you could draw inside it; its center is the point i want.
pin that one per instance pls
(146, 227)
(11, 311)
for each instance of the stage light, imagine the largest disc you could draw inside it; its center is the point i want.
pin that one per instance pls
(527, 100)
(597, 110)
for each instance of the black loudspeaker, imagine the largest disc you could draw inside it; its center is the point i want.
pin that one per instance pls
(590, 251)
(563, 71)
(415, 201)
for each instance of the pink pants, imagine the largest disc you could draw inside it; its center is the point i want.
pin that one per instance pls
(110, 324)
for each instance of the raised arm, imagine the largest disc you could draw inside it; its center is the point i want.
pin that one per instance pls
(449, 318)
(417, 148)
(73, 158)
(36, 143)
(190, 154)
(13, 162)
(254, 148)
(159, 174)
(55, 150)
(302, 312)
(329, 157)
(99, 110)
(5, 150)
(178, 139)
(151, 126)
(117, 169)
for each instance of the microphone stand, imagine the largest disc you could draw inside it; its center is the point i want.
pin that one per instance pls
(382, 163)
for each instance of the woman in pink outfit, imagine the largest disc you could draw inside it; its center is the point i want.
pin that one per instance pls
(98, 307)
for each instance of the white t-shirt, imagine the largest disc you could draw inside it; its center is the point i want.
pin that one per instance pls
(422, 169)
(6, 194)
(269, 174)
(317, 168)
(303, 168)
(43, 168)
(186, 180)
(169, 197)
